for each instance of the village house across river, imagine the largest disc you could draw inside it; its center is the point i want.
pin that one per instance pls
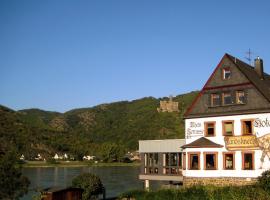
(227, 131)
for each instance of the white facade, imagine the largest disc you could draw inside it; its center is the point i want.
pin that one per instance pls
(195, 129)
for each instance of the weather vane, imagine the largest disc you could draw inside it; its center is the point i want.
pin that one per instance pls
(248, 58)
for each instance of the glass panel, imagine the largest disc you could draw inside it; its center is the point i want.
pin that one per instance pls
(194, 161)
(248, 161)
(228, 128)
(155, 159)
(227, 98)
(240, 97)
(228, 161)
(247, 127)
(226, 73)
(151, 159)
(215, 99)
(210, 129)
(210, 161)
(173, 160)
(180, 160)
(167, 159)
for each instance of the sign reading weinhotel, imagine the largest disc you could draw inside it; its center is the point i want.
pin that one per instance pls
(241, 142)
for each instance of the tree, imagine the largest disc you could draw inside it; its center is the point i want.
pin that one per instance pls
(90, 183)
(264, 180)
(111, 152)
(12, 184)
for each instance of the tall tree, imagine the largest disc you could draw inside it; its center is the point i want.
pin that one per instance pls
(12, 184)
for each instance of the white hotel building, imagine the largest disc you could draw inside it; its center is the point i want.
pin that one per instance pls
(227, 131)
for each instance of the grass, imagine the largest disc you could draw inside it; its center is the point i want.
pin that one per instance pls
(252, 192)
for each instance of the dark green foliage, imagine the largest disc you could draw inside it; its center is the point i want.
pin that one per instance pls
(252, 192)
(264, 180)
(111, 152)
(87, 131)
(90, 183)
(12, 184)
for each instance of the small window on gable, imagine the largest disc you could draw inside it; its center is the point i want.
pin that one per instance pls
(240, 97)
(227, 98)
(215, 100)
(226, 73)
(209, 129)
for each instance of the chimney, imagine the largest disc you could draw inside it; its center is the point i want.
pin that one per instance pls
(259, 67)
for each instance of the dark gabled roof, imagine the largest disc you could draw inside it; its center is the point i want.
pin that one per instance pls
(262, 85)
(202, 143)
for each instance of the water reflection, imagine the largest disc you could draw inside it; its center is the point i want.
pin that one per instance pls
(115, 179)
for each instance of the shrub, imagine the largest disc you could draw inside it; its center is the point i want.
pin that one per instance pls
(264, 180)
(90, 183)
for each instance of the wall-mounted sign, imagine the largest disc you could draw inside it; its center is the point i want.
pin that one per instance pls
(261, 123)
(241, 142)
(194, 130)
(264, 144)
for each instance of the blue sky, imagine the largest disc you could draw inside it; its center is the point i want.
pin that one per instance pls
(60, 55)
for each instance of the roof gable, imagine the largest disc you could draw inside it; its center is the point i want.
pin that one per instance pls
(242, 75)
(202, 143)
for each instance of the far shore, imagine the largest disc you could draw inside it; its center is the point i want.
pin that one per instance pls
(29, 164)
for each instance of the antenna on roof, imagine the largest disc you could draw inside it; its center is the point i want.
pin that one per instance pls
(248, 58)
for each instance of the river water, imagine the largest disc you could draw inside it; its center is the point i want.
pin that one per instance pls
(115, 179)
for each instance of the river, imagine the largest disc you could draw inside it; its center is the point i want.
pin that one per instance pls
(115, 179)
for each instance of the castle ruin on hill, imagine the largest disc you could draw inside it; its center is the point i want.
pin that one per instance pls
(168, 106)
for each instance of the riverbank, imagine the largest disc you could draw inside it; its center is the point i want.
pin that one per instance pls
(77, 164)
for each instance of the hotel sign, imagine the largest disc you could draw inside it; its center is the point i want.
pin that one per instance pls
(241, 142)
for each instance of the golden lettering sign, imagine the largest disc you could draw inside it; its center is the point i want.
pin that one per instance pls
(241, 142)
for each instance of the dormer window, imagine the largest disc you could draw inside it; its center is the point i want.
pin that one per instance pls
(227, 98)
(215, 100)
(226, 73)
(240, 97)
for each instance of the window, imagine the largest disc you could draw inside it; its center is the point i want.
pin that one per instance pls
(194, 161)
(248, 161)
(180, 160)
(215, 100)
(227, 98)
(173, 159)
(240, 97)
(172, 163)
(247, 127)
(184, 161)
(151, 161)
(226, 73)
(209, 129)
(227, 128)
(210, 161)
(228, 161)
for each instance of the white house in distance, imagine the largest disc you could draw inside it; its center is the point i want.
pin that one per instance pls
(227, 127)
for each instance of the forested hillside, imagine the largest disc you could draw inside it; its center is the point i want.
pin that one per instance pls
(89, 130)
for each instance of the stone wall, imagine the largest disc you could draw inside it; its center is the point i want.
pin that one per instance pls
(222, 181)
(168, 106)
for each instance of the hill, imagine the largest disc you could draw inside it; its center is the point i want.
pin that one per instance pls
(89, 130)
